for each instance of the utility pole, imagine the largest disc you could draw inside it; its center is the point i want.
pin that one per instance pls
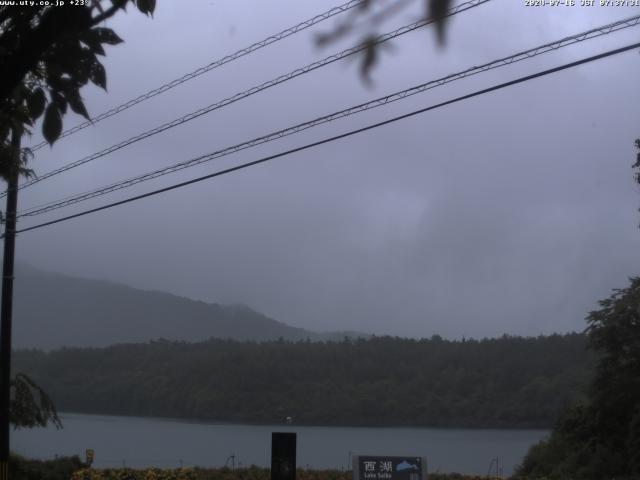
(6, 307)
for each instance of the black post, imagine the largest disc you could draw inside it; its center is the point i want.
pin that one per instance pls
(283, 456)
(7, 308)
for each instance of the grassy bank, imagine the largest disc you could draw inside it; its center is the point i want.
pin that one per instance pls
(62, 468)
(72, 468)
(252, 473)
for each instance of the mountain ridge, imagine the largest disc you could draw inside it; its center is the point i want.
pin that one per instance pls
(75, 311)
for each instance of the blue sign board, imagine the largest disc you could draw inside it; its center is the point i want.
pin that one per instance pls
(368, 467)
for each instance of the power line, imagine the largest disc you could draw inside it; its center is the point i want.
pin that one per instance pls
(593, 33)
(207, 68)
(552, 46)
(239, 96)
(341, 136)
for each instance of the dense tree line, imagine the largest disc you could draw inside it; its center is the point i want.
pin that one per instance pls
(505, 382)
(599, 437)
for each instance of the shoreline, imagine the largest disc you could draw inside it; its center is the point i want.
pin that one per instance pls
(213, 422)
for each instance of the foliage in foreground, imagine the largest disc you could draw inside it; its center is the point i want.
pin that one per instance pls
(49, 54)
(134, 474)
(71, 468)
(61, 468)
(252, 473)
(600, 438)
(30, 405)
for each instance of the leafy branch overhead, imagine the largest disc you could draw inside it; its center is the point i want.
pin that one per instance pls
(371, 13)
(47, 54)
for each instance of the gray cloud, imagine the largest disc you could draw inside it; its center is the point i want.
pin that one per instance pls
(510, 213)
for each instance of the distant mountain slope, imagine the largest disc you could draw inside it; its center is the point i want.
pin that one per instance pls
(53, 310)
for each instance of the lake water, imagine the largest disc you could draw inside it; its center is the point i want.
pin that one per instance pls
(139, 442)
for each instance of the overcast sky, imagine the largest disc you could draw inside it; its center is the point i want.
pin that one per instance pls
(511, 213)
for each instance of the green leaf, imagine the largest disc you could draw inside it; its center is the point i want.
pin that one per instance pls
(4, 132)
(98, 75)
(52, 125)
(106, 35)
(70, 94)
(53, 70)
(20, 117)
(19, 93)
(92, 40)
(438, 12)
(64, 56)
(369, 59)
(59, 100)
(83, 67)
(36, 103)
(146, 6)
(76, 103)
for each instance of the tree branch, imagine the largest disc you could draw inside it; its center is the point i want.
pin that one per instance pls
(54, 25)
(109, 12)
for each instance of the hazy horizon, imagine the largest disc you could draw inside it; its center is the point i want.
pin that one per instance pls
(21, 265)
(511, 213)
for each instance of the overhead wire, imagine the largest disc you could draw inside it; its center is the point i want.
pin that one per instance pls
(378, 102)
(350, 133)
(259, 88)
(211, 66)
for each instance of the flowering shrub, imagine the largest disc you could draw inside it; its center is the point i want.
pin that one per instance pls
(252, 473)
(131, 474)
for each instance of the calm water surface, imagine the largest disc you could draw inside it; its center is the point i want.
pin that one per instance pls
(140, 442)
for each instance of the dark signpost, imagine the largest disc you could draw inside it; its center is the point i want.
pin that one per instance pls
(283, 456)
(366, 467)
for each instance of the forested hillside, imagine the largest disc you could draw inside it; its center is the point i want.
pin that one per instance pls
(72, 311)
(505, 382)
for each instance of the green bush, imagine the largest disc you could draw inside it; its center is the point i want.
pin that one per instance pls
(252, 473)
(61, 468)
(131, 474)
